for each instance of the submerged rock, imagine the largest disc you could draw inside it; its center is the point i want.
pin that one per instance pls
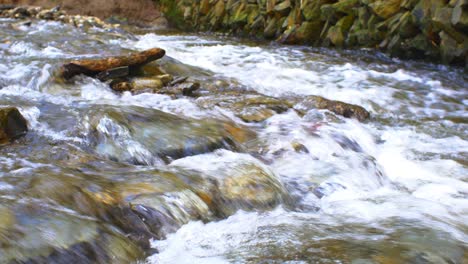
(12, 124)
(146, 136)
(233, 182)
(340, 108)
(248, 107)
(92, 67)
(37, 234)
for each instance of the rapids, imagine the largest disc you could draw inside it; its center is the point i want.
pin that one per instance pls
(393, 189)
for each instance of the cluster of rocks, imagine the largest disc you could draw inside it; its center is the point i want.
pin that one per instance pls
(118, 208)
(134, 73)
(54, 14)
(137, 74)
(434, 29)
(115, 209)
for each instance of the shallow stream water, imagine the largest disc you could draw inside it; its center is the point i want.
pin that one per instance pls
(393, 189)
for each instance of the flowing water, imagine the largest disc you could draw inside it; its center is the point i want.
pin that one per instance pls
(321, 188)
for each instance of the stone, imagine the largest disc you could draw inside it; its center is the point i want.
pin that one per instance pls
(346, 6)
(248, 107)
(336, 36)
(460, 18)
(311, 9)
(12, 124)
(271, 28)
(442, 21)
(233, 182)
(283, 8)
(46, 14)
(43, 235)
(386, 8)
(450, 48)
(138, 85)
(147, 136)
(340, 108)
(309, 31)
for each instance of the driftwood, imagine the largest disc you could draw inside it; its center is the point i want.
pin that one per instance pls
(93, 67)
(113, 73)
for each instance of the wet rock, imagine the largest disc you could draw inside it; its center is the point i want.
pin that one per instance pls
(178, 80)
(299, 147)
(147, 136)
(138, 85)
(40, 234)
(165, 213)
(185, 88)
(248, 107)
(12, 124)
(233, 182)
(93, 67)
(340, 108)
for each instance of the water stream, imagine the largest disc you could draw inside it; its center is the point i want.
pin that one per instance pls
(327, 189)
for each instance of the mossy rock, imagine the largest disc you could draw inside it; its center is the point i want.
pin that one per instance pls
(12, 124)
(346, 6)
(271, 28)
(309, 31)
(386, 8)
(460, 17)
(336, 36)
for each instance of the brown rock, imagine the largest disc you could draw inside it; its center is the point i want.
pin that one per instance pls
(337, 107)
(12, 124)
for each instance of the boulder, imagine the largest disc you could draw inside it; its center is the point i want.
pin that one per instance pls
(340, 108)
(147, 136)
(233, 182)
(248, 107)
(386, 9)
(34, 233)
(12, 124)
(460, 17)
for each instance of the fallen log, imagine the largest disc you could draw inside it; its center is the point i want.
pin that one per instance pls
(92, 67)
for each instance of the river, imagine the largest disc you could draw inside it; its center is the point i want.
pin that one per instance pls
(393, 189)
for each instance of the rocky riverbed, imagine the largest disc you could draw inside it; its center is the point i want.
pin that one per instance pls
(223, 151)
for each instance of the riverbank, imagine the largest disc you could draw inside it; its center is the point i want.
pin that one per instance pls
(433, 30)
(139, 12)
